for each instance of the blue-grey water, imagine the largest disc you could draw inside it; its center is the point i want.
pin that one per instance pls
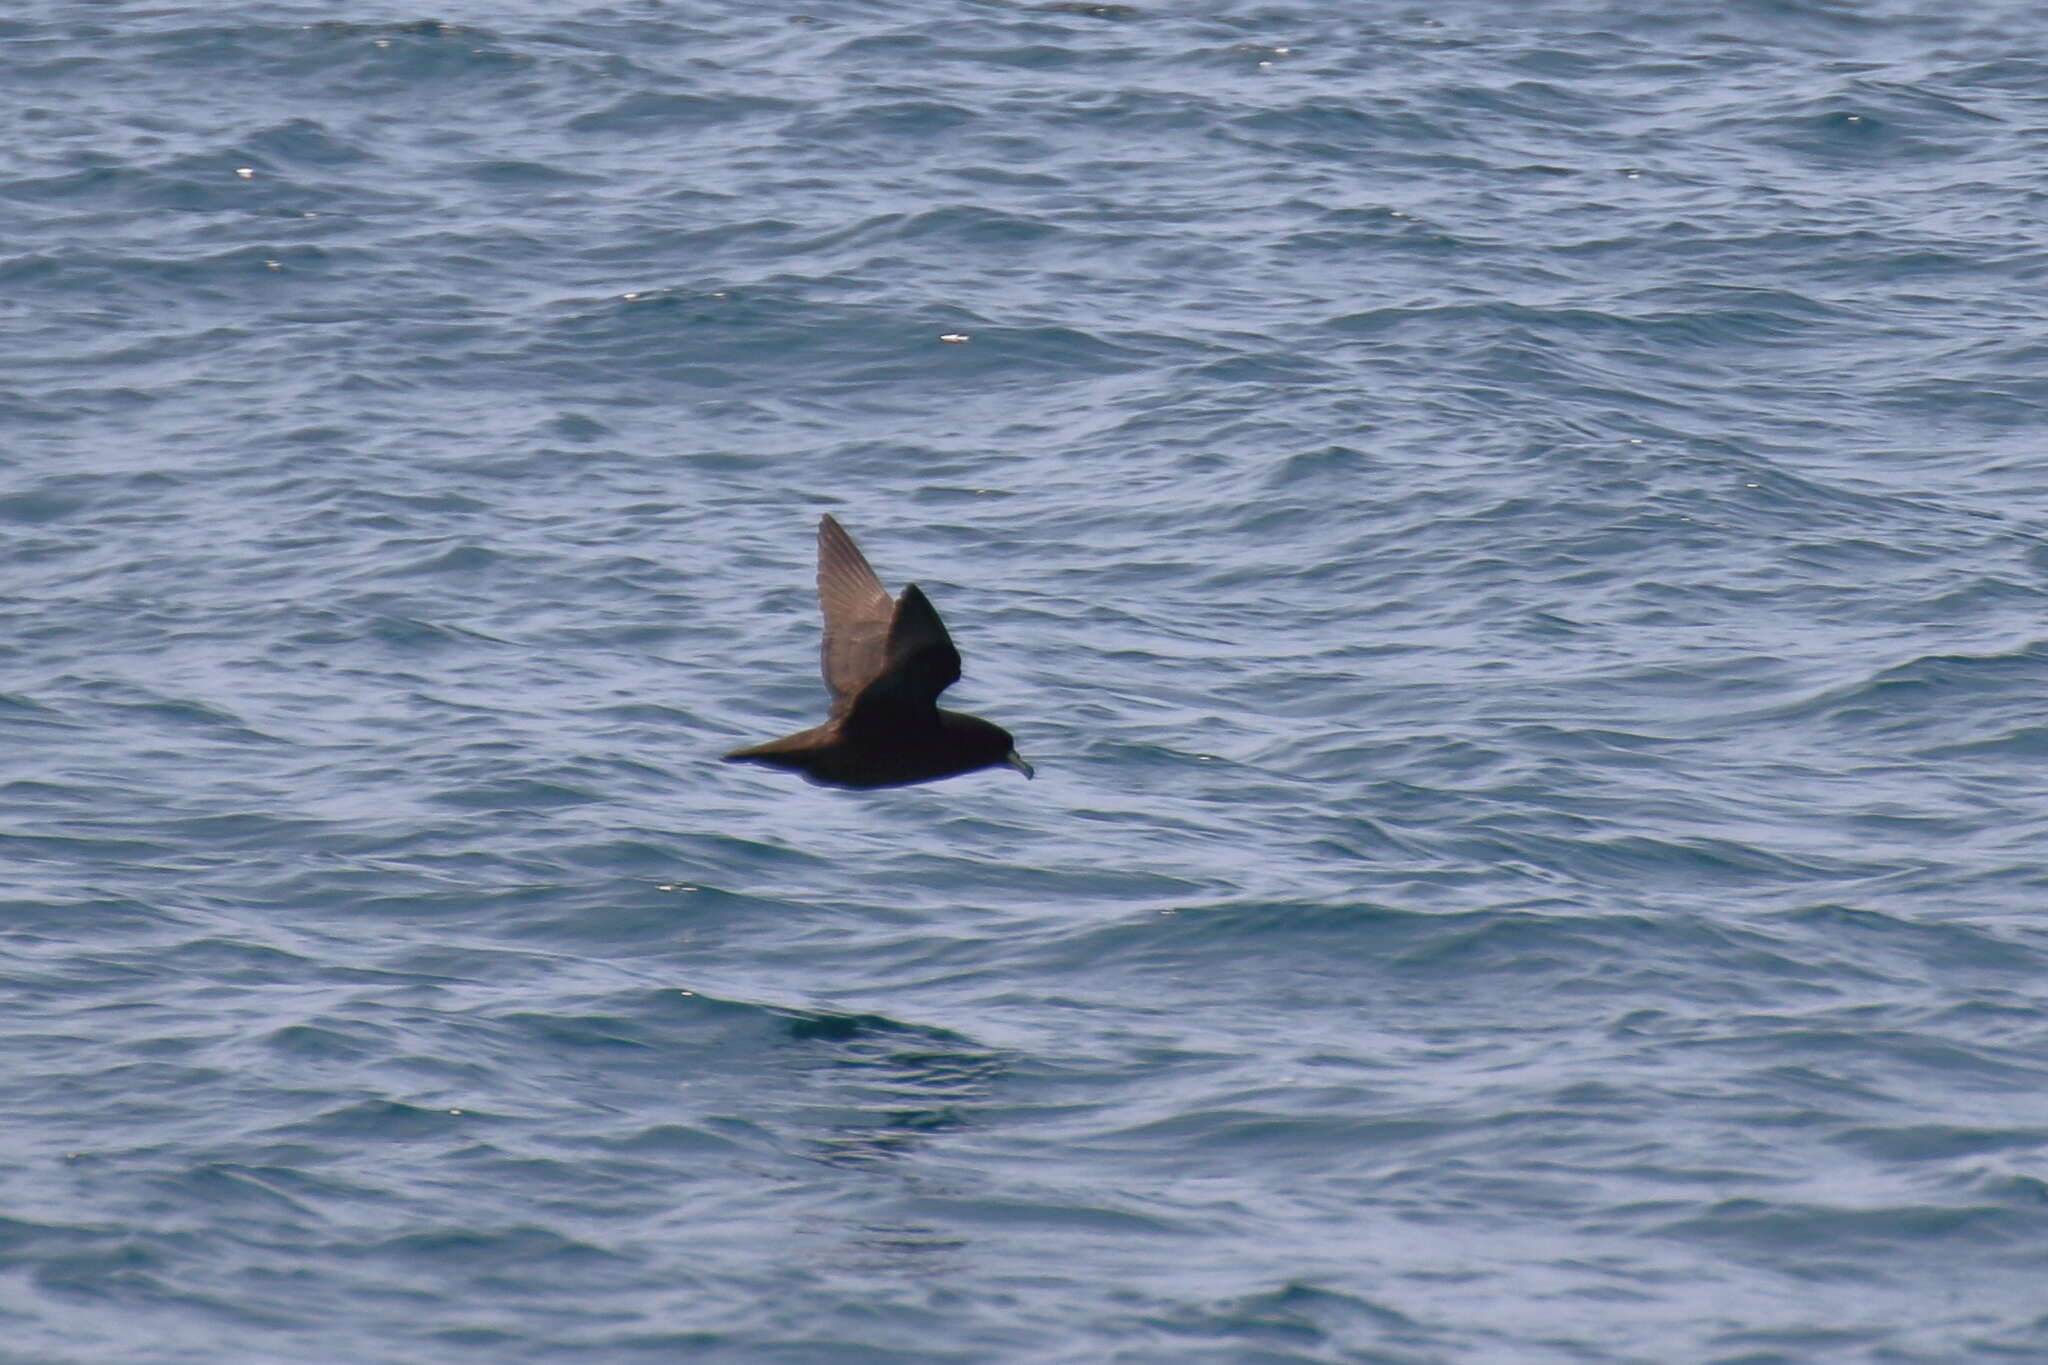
(1514, 535)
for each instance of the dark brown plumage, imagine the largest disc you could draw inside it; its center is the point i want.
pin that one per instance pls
(885, 664)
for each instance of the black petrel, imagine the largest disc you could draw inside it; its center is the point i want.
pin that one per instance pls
(885, 664)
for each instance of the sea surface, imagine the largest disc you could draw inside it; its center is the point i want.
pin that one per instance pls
(1516, 536)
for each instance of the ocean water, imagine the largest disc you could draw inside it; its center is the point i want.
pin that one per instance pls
(1513, 534)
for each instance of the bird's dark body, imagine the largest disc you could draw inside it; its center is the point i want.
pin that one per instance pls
(885, 663)
(825, 754)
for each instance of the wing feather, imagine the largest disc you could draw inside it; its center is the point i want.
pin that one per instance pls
(921, 654)
(922, 663)
(857, 612)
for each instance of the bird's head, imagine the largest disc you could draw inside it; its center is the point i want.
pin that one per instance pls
(989, 744)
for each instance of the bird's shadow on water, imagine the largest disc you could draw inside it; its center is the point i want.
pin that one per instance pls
(888, 1086)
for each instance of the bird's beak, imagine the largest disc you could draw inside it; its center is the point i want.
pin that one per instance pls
(1016, 760)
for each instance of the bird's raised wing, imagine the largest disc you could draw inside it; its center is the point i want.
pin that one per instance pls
(921, 663)
(858, 614)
